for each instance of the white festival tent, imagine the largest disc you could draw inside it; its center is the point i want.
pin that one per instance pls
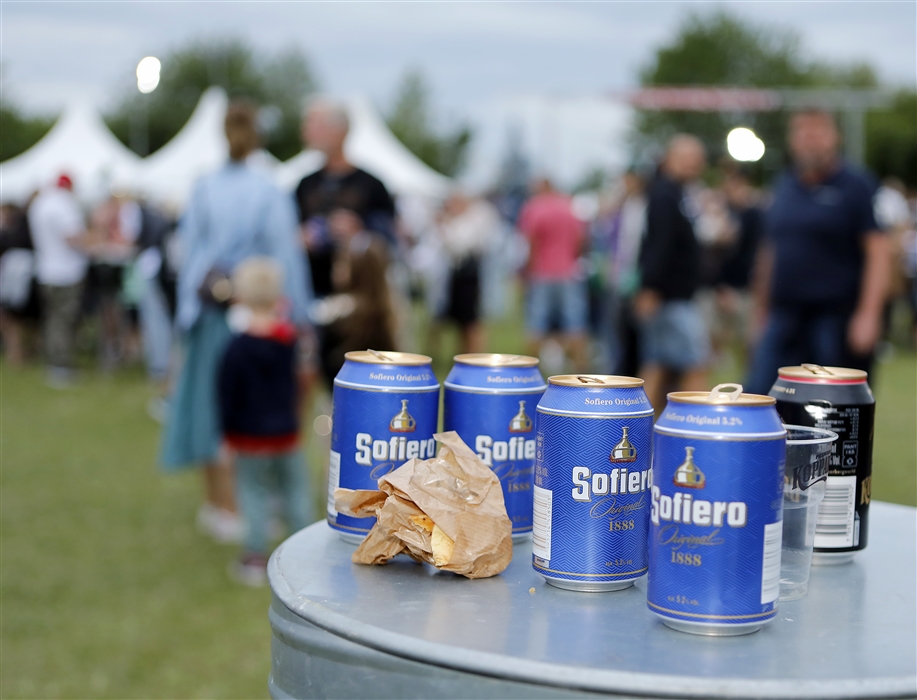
(371, 146)
(78, 144)
(168, 175)
(81, 145)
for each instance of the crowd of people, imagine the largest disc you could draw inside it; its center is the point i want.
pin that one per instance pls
(803, 273)
(58, 266)
(684, 266)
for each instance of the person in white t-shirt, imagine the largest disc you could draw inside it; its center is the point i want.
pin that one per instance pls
(57, 226)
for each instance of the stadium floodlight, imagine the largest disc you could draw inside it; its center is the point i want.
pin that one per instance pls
(744, 145)
(148, 74)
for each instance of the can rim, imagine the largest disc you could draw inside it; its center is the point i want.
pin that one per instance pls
(496, 359)
(595, 381)
(387, 357)
(818, 374)
(718, 396)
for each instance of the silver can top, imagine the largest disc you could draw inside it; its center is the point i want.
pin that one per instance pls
(494, 359)
(822, 375)
(595, 381)
(722, 395)
(387, 357)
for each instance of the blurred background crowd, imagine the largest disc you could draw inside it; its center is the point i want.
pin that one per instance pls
(693, 256)
(677, 224)
(761, 210)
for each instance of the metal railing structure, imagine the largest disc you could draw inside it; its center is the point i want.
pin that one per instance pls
(852, 103)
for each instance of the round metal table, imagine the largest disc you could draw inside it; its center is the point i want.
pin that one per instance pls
(407, 631)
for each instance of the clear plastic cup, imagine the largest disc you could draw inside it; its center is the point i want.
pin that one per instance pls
(807, 453)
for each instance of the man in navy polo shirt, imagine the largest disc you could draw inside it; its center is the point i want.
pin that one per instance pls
(823, 271)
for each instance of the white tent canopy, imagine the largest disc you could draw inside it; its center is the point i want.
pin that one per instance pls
(168, 175)
(371, 146)
(81, 145)
(200, 147)
(78, 144)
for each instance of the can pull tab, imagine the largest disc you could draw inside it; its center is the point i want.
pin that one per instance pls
(590, 380)
(379, 355)
(728, 392)
(817, 370)
(508, 359)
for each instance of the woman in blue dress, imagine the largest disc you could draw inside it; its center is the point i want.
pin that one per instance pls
(233, 214)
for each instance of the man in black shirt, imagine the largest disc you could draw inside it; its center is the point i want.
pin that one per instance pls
(340, 200)
(675, 345)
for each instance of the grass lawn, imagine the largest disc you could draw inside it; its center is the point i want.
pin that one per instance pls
(108, 590)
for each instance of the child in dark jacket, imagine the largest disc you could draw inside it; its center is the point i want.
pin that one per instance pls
(259, 412)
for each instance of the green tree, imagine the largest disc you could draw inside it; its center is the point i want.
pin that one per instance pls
(891, 139)
(279, 84)
(412, 123)
(719, 49)
(19, 132)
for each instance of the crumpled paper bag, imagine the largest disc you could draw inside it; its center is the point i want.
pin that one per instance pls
(447, 511)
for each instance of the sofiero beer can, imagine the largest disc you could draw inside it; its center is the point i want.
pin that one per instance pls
(385, 411)
(592, 480)
(490, 400)
(840, 400)
(716, 515)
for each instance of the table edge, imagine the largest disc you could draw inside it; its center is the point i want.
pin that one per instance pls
(573, 677)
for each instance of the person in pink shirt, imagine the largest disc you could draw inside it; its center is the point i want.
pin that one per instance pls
(556, 287)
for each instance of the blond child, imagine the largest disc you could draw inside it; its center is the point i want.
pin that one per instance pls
(259, 400)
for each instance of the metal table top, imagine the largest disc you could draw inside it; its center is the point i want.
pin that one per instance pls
(855, 635)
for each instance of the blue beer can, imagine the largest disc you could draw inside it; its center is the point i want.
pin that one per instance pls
(716, 513)
(592, 479)
(489, 400)
(385, 408)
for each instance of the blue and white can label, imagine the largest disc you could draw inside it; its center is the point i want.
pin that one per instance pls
(385, 411)
(592, 481)
(716, 512)
(490, 400)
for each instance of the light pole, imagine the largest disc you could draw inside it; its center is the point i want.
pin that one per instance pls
(147, 80)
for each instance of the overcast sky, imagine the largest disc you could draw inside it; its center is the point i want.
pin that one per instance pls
(474, 54)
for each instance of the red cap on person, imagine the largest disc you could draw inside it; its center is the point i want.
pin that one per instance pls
(64, 182)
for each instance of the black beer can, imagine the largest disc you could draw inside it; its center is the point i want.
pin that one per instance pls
(838, 399)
